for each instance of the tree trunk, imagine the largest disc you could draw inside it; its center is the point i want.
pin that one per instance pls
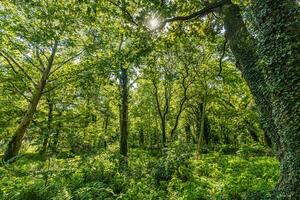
(244, 48)
(278, 22)
(48, 131)
(206, 133)
(163, 129)
(124, 117)
(15, 143)
(141, 137)
(162, 112)
(188, 133)
(267, 140)
(201, 136)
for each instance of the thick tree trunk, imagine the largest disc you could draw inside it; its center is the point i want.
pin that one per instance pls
(278, 22)
(124, 117)
(244, 48)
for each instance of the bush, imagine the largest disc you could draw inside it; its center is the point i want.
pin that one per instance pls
(228, 149)
(253, 150)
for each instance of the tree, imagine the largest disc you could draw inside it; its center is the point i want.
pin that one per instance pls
(270, 65)
(35, 50)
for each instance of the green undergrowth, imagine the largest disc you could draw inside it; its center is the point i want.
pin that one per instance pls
(173, 173)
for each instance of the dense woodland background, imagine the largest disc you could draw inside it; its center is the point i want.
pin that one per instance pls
(105, 99)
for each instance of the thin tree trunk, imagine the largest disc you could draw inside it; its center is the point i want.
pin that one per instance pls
(124, 117)
(49, 128)
(200, 139)
(162, 114)
(54, 145)
(188, 133)
(141, 137)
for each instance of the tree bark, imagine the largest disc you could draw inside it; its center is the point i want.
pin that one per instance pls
(183, 100)
(201, 135)
(124, 116)
(206, 133)
(278, 24)
(244, 47)
(48, 130)
(188, 133)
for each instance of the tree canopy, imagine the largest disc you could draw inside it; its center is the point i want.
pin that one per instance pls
(160, 99)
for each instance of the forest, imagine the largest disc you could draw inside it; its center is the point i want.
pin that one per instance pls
(150, 99)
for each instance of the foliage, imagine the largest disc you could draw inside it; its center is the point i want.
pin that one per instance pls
(176, 175)
(83, 82)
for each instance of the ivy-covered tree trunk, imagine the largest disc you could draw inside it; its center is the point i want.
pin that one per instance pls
(273, 78)
(244, 47)
(278, 22)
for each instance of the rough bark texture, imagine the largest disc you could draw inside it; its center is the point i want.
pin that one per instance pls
(278, 22)
(244, 48)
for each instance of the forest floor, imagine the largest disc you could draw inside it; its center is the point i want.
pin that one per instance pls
(176, 173)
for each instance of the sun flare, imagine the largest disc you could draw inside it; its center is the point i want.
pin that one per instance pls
(153, 23)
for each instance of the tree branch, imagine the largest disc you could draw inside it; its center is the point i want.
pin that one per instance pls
(20, 92)
(222, 56)
(126, 12)
(66, 61)
(206, 10)
(10, 60)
